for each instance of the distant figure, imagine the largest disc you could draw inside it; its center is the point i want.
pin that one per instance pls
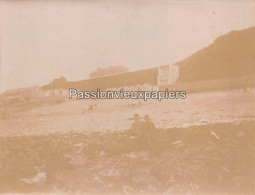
(90, 107)
(4, 114)
(247, 86)
(135, 103)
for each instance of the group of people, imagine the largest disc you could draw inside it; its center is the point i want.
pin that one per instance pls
(142, 129)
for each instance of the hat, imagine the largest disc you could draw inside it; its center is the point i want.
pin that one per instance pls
(136, 116)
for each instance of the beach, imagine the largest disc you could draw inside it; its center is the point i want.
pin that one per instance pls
(111, 115)
(201, 144)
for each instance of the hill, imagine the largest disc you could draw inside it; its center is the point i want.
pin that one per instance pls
(230, 55)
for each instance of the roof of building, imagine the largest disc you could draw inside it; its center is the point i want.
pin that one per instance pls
(111, 70)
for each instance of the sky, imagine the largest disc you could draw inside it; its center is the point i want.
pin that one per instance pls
(43, 40)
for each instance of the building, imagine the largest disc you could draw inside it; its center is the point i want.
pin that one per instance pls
(147, 79)
(101, 72)
(168, 74)
(118, 81)
(21, 95)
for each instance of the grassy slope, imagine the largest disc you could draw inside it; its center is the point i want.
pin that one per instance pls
(230, 55)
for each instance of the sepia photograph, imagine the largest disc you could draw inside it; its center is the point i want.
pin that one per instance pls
(132, 97)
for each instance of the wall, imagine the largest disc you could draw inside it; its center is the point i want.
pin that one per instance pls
(148, 76)
(213, 85)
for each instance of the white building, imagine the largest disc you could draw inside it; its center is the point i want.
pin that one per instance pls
(22, 95)
(168, 74)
